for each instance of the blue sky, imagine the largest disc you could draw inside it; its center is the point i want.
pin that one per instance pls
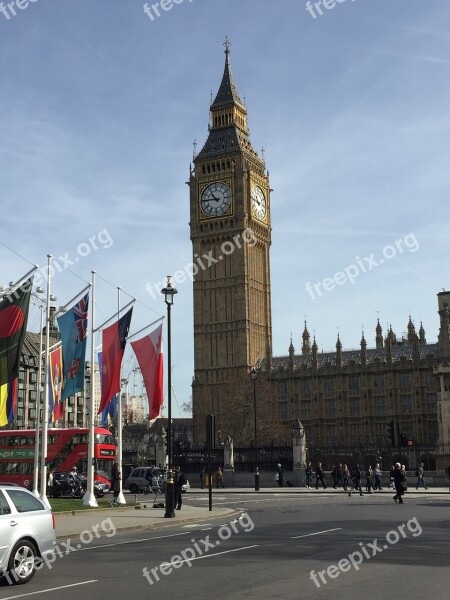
(100, 105)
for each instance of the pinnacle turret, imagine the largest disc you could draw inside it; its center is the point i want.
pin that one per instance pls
(306, 346)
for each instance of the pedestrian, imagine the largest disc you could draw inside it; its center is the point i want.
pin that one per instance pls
(219, 478)
(448, 473)
(346, 476)
(279, 475)
(76, 483)
(202, 476)
(340, 474)
(308, 475)
(400, 483)
(50, 483)
(319, 476)
(419, 475)
(391, 477)
(377, 474)
(356, 480)
(334, 475)
(115, 484)
(369, 479)
(178, 481)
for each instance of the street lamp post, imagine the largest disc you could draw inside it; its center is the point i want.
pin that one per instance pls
(254, 376)
(169, 293)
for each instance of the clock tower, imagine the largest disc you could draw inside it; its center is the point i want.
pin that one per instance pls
(231, 237)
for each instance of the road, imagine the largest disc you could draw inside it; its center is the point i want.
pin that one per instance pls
(286, 546)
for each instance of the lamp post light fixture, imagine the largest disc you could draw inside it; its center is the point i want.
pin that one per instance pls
(254, 377)
(169, 293)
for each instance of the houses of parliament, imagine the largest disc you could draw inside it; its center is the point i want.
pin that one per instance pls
(343, 398)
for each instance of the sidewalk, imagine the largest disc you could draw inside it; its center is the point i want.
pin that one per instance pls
(303, 490)
(73, 524)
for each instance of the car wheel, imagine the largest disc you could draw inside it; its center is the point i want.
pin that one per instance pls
(21, 563)
(134, 488)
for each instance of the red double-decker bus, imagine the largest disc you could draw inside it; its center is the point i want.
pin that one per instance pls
(67, 448)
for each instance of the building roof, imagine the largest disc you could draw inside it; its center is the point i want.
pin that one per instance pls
(227, 93)
(373, 355)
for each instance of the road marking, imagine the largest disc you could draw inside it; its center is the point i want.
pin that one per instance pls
(179, 562)
(61, 587)
(296, 537)
(158, 537)
(268, 500)
(197, 525)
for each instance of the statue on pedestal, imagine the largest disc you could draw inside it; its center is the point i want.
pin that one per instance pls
(298, 446)
(161, 449)
(228, 454)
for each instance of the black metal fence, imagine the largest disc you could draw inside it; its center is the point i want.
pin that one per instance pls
(245, 458)
(365, 455)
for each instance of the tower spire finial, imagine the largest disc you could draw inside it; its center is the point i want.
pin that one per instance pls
(227, 45)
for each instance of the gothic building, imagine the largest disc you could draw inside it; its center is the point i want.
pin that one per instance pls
(346, 398)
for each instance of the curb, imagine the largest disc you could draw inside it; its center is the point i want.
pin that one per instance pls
(320, 490)
(163, 525)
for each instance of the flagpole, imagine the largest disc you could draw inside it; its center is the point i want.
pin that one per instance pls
(132, 335)
(120, 497)
(38, 408)
(46, 394)
(62, 309)
(89, 497)
(14, 285)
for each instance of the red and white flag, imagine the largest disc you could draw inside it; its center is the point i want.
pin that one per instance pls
(149, 354)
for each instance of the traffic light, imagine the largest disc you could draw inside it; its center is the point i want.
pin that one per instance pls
(410, 442)
(211, 431)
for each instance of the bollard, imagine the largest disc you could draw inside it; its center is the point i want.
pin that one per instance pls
(257, 480)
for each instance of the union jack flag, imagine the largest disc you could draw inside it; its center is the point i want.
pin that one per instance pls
(80, 312)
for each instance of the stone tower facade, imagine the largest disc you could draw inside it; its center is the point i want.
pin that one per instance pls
(231, 237)
(442, 372)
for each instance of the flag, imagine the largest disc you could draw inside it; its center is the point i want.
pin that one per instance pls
(13, 322)
(149, 354)
(8, 399)
(73, 330)
(110, 410)
(55, 385)
(114, 340)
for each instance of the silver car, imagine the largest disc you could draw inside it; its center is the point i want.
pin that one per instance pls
(27, 533)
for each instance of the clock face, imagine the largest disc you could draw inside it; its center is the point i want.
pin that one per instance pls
(216, 199)
(259, 206)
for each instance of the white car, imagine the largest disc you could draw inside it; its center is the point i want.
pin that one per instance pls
(27, 533)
